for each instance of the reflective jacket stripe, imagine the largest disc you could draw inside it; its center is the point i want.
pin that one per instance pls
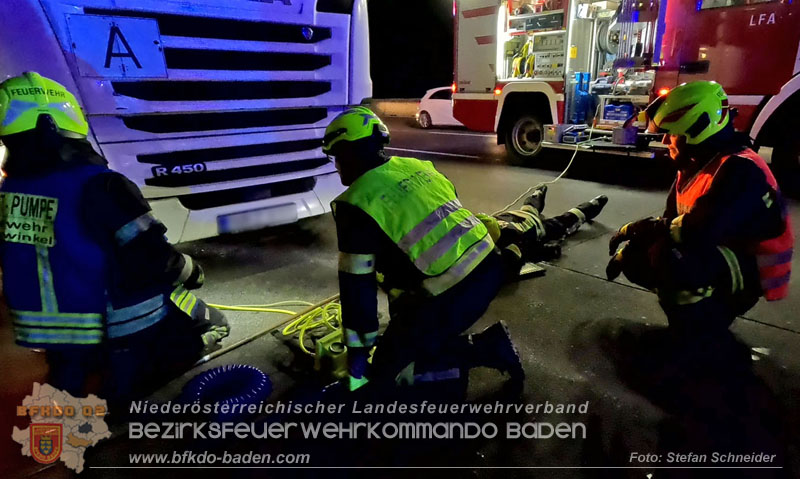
(186, 271)
(434, 376)
(765, 260)
(442, 232)
(34, 336)
(178, 294)
(46, 289)
(775, 282)
(57, 320)
(356, 263)
(135, 318)
(530, 219)
(675, 228)
(32, 328)
(464, 266)
(354, 339)
(406, 377)
(428, 224)
(577, 212)
(189, 304)
(132, 326)
(685, 297)
(134, 228)
(140, 309)
(737, 280)
(184, 300)
(436, 251)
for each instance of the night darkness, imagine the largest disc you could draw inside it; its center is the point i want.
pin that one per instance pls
(411, 44)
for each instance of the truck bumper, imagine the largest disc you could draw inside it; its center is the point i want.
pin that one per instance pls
(184, 224)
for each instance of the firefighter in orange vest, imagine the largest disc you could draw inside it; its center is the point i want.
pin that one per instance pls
(725, 238)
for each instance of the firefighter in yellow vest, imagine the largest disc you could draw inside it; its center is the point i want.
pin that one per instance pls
(88, 274)
(725, 239)
(401, 218)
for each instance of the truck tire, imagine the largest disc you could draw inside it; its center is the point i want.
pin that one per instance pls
(523, 138)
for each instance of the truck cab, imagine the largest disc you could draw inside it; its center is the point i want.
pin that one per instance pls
(214, 108)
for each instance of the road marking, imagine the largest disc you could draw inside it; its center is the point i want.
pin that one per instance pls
(433, 152)
(483, 135)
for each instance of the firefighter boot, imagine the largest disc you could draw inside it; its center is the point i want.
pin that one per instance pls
(592, 208)
(575, 217)
(536, 199)
(493, 348)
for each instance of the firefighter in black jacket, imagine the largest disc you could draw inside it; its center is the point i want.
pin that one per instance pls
(725, 239)
(88, 274)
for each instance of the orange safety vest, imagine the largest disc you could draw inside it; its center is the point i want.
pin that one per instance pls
(774, 256)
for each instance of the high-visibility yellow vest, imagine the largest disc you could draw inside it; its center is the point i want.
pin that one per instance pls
(417, 207)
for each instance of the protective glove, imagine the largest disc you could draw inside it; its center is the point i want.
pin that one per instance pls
(213, 337)
(196, 278)
(636, 261)
(357, 363)
(615, 265)
(213, 324)
(490, 222)
(647, 230)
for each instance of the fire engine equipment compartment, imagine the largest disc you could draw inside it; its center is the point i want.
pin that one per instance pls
(510, 78)
(615, 42)
(595, 57)
(535, 39)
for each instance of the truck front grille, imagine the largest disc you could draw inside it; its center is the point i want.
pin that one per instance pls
(185, 122)
(188, 157)
(188, 59)
(244, 89)
(221, 28)
(220, 90)
(216, 176)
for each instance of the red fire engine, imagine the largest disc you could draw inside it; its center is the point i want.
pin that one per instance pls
(534, 70)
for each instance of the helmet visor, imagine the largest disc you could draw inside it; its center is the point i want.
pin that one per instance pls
(650, 113)
(328, 139)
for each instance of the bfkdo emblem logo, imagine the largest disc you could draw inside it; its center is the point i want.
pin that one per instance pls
(46, 440)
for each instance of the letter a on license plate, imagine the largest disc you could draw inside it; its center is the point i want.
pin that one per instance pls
(117, 47)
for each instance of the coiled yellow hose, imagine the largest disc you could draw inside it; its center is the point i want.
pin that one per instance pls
(328, 316)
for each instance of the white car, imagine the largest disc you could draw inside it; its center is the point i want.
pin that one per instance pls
(436, 108)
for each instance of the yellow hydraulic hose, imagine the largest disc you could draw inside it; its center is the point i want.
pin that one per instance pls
(329, 316)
